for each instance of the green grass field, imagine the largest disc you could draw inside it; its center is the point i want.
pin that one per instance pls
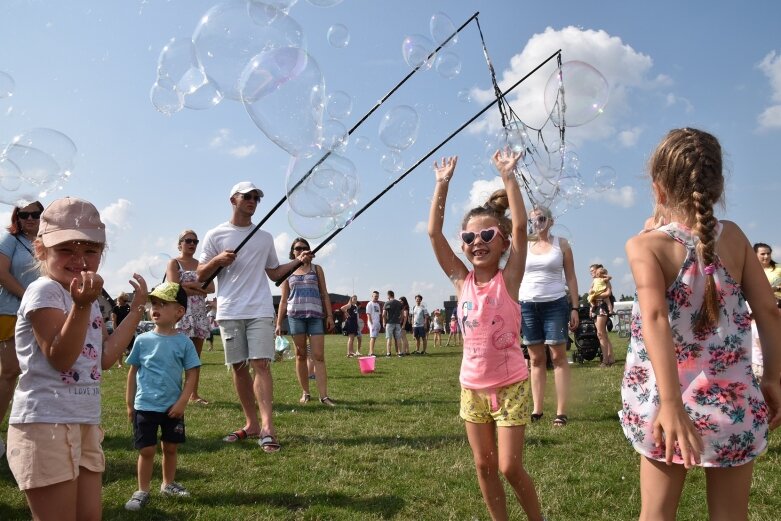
(394, 448)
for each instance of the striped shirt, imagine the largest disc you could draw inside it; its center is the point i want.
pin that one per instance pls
(304, 300)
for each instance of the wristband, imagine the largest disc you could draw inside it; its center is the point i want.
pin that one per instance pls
(573, 309)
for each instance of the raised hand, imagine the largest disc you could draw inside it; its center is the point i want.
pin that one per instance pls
(140, 291)
(445, 171)
(86, 288)
(505, 161)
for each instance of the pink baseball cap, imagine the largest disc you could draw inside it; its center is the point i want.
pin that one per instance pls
(71, 219)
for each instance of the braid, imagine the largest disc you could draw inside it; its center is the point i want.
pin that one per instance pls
(705, 228)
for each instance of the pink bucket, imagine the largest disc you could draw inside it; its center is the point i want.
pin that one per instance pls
(366, 364)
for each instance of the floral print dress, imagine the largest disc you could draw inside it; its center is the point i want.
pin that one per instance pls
(719, 391)
(195, 322)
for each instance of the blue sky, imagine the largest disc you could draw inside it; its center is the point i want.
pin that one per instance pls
(86, 67)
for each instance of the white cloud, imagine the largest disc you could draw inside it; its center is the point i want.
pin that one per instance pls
(672, 99)
(223, 142)
(623, 67)
(628, 138)
(242, 151)
(116, 215)
(623, 196)
(282, 244)
(481, 190)
(618, 261)
(770, 118)
(326, 250)
(218, 141)
(421, 227)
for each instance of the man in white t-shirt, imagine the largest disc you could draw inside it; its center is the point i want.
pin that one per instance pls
(420, 319)
(245, 309)
(373, 316)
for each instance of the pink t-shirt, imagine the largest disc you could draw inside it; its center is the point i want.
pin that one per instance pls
(491, 323)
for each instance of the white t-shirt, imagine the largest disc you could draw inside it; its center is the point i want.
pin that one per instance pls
(419, 315)
(373, 313)
(44, 394)
(242, 288)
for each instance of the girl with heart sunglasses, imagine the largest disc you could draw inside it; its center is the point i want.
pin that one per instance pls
(495, 393)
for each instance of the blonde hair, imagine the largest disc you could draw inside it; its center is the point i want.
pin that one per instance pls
(544, 210)
(39, 251)
(687, 165)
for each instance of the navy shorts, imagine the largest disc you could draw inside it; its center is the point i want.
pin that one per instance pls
(545, 322)
(306, 326)
(419, 331)
(146, 423)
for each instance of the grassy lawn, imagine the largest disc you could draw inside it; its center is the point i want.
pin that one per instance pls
(394, 448)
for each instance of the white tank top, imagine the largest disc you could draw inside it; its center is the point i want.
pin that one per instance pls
(543, 280)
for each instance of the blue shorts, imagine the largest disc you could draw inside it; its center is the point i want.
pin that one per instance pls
(419, 331)
(305, 326)
(545, 322)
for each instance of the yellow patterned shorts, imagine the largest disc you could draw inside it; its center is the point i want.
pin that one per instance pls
(7, 325)
(506, 406)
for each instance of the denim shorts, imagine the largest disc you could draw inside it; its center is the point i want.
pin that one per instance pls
(545, 322)
(305, 326)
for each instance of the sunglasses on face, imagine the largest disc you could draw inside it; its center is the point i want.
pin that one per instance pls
(540, 219)
(29, 215)
(250, 197)
(301, 248)
(486, 235)
(191, 241)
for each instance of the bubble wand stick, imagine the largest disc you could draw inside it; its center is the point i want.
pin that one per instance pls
(349, 132)
(500, 97)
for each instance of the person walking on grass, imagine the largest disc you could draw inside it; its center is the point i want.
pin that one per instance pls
(373, 313)
(689, 396)
(391, 319)
(455, 332)
(245, 309)
(155, 396)
(307, 306)
(495, 401)
(420, 318)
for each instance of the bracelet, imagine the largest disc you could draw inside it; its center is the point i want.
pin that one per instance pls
(573, 309)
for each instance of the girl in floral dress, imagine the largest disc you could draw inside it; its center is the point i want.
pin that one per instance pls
(689, 396)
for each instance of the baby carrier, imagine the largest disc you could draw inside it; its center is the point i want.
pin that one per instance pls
(586, 339)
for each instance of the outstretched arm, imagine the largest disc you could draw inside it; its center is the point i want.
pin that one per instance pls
(505, 162)
(448, 261)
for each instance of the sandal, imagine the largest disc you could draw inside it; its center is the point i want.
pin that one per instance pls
(269, 444)
(536, 416)
(305, 398)
(238, 435)
(560, 420)
(325, 400)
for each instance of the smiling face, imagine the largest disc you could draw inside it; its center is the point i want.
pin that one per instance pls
(65, 261)
(764, 256)
(539, 221)
(479, 252)
(28, 223)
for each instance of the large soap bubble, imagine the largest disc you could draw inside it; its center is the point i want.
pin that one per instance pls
(33, 164)
(167, 100)
(231, 33)
(7, 85)
(285, 96)
(605, 178)
(181, 80)
(441, 27)
(339, 104)
(514, 136)
(576, 95)
(399, 127)
(448, 65)
(310, 227)
(416, 50)
(324, 190)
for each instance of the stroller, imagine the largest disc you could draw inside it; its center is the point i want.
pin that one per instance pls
(586, 340)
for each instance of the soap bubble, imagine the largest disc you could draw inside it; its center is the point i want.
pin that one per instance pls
(577, 96)
(231, 33)
(335, 136)
(338, 36)
(282, 5)
(284, 96)
(464, 96)
(416, 49)
(310, 227)
(323, 190)
(441, 27)
(448, 65)
(362, 143)
(392, 162)
(157, 265)
(7, 85)
(513, 136)
(399, 127)
(605, 178)
(339, 104)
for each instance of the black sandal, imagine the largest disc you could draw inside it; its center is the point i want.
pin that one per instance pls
(536, 416)
(325, 400)
(560, 420)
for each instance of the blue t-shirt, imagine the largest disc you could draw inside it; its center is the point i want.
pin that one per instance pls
(161, 360)
(22, 269)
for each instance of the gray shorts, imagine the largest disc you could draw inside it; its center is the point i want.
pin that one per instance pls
(247, 339)
(393, 331)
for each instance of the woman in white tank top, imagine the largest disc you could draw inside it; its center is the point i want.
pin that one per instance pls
(549, 304)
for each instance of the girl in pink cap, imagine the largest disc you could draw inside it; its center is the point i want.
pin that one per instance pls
(54, 434)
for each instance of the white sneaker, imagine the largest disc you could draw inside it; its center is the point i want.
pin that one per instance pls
(174, 489)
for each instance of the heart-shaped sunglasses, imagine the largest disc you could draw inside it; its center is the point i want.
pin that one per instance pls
(486, 235)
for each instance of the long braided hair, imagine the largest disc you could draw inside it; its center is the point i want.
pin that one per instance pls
(687, 165)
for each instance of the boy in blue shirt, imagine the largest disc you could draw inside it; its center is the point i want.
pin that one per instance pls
(155, 396)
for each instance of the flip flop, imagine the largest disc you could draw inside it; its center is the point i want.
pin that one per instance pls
(269, 444)
(238, 435)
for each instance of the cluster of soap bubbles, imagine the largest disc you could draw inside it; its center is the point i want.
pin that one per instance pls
(550, 172)
(417, 49)
(33, 164)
